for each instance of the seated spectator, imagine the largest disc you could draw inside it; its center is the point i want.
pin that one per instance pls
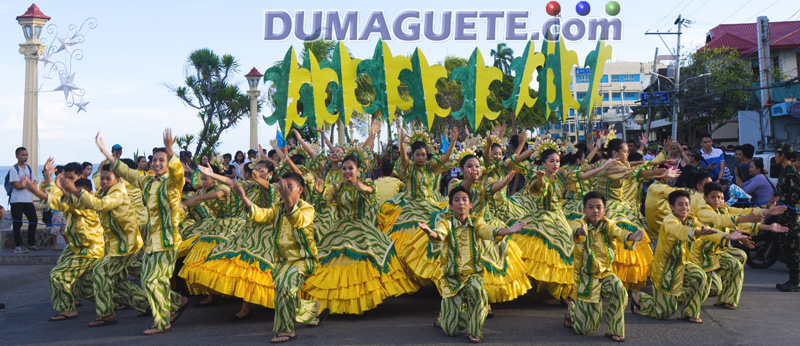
(758, 186)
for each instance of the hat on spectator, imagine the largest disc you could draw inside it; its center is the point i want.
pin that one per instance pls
(116, 147)
(785, 149)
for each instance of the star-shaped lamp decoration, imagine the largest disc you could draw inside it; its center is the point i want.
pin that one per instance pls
(81, 106)
(66, 85)
(47, 58)
(66, 43)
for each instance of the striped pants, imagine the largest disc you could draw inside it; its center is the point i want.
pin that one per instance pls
(586, 316)
(695, 290)
(157, 268)
(111, 285)
(726, 282)
(63, 278)
(82, 287)
(465, 310)
(288, 305)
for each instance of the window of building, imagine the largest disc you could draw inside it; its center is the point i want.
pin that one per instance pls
(619, 78)
(615, 97)
(754, 66)
(580, 95)
(605, 96)
(582, 79)
(631, 96)
(604, 79)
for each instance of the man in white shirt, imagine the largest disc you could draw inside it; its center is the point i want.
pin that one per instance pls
(714, 157)
(21, 202)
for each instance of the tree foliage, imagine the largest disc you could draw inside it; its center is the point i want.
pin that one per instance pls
(219, 103)
(714, 98)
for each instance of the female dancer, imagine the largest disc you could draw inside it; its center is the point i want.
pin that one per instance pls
(242, 266)
(228, 220)
(358, 263)
(546, 239)
(398, 217)
(632, 267)
(504, 276)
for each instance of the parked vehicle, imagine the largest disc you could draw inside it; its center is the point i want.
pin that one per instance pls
(773, 169)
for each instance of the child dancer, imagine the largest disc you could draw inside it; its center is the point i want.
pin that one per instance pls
(295, 254)
(462, 283)
(123, 243)
(672, 274)
(85, 247)
(162, 195)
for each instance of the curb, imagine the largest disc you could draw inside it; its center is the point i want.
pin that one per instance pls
(40, 258)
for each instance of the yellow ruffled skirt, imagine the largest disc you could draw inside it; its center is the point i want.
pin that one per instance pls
(501, 284)
(233, 277)
(545, 265)
(186, 245)
(387, 215)
(347, 286)
(633, 267)
(515, 282)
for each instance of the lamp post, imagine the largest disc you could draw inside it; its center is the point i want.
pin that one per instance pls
(32, 22)
(252, 80)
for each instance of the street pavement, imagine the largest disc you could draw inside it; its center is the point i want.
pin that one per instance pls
(764, 317)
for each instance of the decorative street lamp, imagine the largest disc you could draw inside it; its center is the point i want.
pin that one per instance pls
(252, 80)
(31, 22)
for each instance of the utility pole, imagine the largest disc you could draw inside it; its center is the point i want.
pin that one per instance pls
(652, 85)
(680, 22)
(762, 27)
(622, 111)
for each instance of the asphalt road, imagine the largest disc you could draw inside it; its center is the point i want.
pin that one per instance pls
(765, 317)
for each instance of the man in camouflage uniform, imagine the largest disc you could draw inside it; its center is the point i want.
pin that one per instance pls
(788, 192)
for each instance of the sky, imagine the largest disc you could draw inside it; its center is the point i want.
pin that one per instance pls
(139, 48)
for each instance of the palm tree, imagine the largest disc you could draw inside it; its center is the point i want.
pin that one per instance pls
(502, 57)
(322, 50)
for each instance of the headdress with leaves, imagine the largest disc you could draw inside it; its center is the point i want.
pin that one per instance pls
(356, 148)
(609, 136)
(471, 146)
(543, 144)
(420, 135)
(569, 147)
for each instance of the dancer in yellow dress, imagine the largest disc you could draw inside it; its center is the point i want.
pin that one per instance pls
(632, 267)
(546, 240)
(242, 266)
(359, 267)
(398, 217)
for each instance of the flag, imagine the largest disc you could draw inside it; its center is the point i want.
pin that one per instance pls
(280, 139)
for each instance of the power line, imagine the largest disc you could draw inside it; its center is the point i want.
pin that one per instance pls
(792, 16)
(667, 16)
(735, 12)
(762, 11)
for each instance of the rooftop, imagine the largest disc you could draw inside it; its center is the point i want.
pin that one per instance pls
(744, 37)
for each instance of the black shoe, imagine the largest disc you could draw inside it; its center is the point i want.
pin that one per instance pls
(236, 318)
(788, 286)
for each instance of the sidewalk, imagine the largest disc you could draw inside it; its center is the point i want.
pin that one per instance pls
(45, 257)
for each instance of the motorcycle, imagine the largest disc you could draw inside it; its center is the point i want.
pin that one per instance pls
(766, 252)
